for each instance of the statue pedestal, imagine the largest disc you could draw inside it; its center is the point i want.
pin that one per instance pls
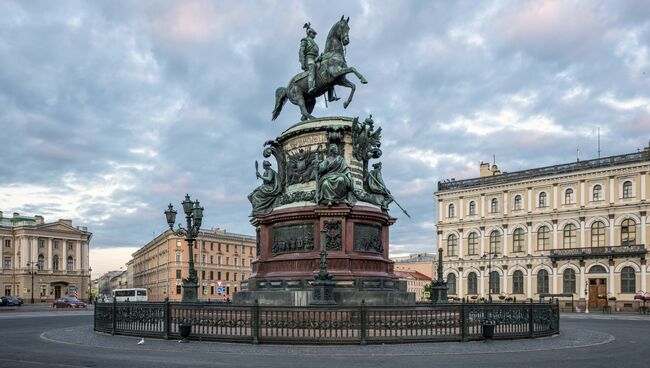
(356, 232)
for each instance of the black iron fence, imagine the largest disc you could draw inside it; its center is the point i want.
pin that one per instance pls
(328, 324)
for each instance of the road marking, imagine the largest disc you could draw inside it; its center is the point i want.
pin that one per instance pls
(42, 314)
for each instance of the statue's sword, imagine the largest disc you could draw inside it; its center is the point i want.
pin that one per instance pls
(257, 168)
(401, 208)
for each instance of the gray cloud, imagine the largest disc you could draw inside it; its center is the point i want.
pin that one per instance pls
(110, 110)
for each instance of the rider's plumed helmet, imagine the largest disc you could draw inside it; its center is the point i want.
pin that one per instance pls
(308, 29)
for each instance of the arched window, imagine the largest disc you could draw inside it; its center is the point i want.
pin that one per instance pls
(451, 210)
(569, 281)
(472, 244)
(570, 236)
(628, 232)
(41, 262)
(627, 189)
(451, 284)
(472, 208)
(597, 193)
(471, 284)
(518, 240)
(68, 266)
(452, 245)
(517, 204)
(495, 242)
(542, 200)
(628, 280)
(597, 269)
(542, 281)
(518, 282)
(598, 234)
(495, 285)
(494, 205)
(55, 263)
(568, 196)
(543, 238)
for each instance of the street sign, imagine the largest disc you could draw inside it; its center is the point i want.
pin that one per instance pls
(219, 283)
(427, 294)
(220, 290)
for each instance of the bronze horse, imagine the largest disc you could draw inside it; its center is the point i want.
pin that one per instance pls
(331, 70)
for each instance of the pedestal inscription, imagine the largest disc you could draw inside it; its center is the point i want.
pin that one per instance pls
(292, 238)
(367, 238)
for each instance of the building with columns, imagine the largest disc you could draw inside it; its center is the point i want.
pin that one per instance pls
(222, 261)
(578, 229)
(54, 256)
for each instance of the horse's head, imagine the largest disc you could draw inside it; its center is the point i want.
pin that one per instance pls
(338, 36)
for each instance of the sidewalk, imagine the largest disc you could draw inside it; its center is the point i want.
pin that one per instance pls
(40, 307)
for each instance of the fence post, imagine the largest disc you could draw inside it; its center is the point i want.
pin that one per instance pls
(531, 325)
(114, 316)
(463, 322)
(556, 313)
(256, 322)
(166, 316)
(363, 327)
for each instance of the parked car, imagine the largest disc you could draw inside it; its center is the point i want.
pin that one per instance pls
(69, 302)
(11, 301)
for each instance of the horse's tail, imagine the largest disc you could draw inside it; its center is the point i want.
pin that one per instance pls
(280, 100)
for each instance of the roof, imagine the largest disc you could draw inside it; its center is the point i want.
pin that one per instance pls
(413, 275)
(508, 177)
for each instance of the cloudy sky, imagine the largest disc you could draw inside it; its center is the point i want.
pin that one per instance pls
(110, 110)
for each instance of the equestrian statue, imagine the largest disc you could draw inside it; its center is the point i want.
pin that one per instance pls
(320, 72)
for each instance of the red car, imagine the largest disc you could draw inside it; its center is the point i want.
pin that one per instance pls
(68, 302)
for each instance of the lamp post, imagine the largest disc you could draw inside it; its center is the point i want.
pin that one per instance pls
(193, 216)
(489, 257)
(31, 272)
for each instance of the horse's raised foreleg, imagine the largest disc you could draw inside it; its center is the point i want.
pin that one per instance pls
(352, 70)
(346, 83)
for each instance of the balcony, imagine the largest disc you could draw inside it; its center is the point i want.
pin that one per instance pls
(599, 252)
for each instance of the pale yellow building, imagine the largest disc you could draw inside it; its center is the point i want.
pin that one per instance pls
(578, 228)
(423, 263)
(415, 283)
(53, 255)
(221, 259)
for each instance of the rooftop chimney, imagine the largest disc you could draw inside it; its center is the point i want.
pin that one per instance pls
(485, 169)
(39, 220)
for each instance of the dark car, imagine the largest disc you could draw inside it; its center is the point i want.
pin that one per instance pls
(11, 301)
(69, 302)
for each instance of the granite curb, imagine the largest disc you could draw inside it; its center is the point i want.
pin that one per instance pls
(569, 338)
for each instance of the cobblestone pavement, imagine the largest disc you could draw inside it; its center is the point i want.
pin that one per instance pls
(67, 340)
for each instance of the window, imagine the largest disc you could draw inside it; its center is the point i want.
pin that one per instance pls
(178, 290)
(542, 200)
(543, 238)
(518, 240)
(628, 280)
(178, 243)
(68, 265)
(204, 258)
(211, 290)
(542, 281)
(568, 196)
(227, 247)
(451, 212)
(41, 243)
(219, 247)
(219, 260)
(41, 262)
(451, 284)
(178, 274)
(627, 189)
(597, 269)
(178, 256)
(570, 236)
(495, 285)
(234, 276)
(495, 242)
(518, 282)
(472, 244)
(7, 243)
(628, 232)
(218, 275)
(7, 263)
(471, 283)
(452, 245)
(203, 275)
(55, 263)
(227, 276)
(212, 275)
(69, 245)
(236, 261)
(569, 281)
(212, 248)
(598, 234)
(211, 259)
(597, 193)
(494, 205)
(472, 208)
(56, 244)
(202, 244)
(517, 204)
(227, 261)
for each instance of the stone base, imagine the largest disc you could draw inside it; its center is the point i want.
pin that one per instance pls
(342, 297)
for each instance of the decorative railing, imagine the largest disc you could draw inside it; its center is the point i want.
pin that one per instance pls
(595, 252)
(328, 324)
(544, 171)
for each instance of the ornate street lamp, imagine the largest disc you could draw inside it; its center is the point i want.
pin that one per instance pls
(194, 217)
(32, 273)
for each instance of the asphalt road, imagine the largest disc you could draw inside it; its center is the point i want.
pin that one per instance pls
(21, 345)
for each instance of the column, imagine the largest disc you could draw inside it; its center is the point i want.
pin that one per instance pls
(505, 203)
(48, 266)
(461, 207)
(643, 277)
(529, 196)
(459, 284)
(529, 286)
(77, 258)
(24, 242)
(643, 175)
(582, 286)
(582, 232)
(482, 205)
(555, 196)
(582, 193)
(611, 190)
(505, 240)
(554, 234)
(482, 282)
(461, 245)
(2, 259)
(504, 289)
(611, 231)
(643, 226)
(529, 229)
(63, 262)
(610, 282)
(440, 210)
(554, 289)
(482, 241)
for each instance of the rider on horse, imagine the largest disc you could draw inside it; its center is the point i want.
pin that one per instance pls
(308, 57)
